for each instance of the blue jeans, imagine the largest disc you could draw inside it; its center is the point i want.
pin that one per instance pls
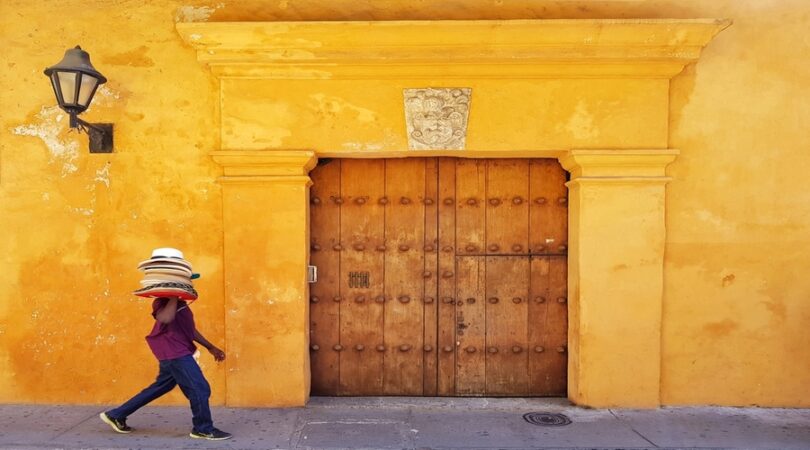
(184, 372)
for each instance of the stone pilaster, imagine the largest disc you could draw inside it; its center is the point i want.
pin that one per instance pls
(266, 226)
(616, 267)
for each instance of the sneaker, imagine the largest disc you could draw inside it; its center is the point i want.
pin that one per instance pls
(119, 425)
(214, 435)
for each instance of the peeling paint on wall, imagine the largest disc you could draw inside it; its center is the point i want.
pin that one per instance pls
(105, 96)
(49, 127)
(110, 339)
(195, 13)
(332, 105)
(103, 175)
(580, 125)
(83, 211)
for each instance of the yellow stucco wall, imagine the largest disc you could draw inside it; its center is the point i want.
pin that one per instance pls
(735, 309)
(736, 298)
(74, 225)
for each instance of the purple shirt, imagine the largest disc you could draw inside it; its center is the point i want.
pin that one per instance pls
(174, 339)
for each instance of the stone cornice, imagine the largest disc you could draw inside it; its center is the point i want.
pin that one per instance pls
(260, 164)
(616, 165)
(450, 49)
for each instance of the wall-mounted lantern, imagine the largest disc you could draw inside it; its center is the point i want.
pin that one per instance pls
(74, 82)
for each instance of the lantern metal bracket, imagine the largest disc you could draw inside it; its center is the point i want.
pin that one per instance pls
(100, 134)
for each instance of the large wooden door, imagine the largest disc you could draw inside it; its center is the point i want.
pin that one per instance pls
(439, 277)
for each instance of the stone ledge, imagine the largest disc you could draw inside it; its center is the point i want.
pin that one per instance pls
(649, 48)
(618, 165)
(257, 164)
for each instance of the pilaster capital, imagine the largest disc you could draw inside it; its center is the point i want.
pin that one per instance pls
(245, 166)
(618, 165)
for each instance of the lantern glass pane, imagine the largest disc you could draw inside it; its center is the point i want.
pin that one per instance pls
(88, 85)
(67, 84)
(55, 85)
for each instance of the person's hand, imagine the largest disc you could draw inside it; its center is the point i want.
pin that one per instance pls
(218, 354)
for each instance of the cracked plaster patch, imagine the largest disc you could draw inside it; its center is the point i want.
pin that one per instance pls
(106, 97)
(49, 128)
(581, 124)
(195, 13)
(103, 175)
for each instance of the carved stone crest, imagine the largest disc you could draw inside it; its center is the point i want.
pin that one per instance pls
(437, 118)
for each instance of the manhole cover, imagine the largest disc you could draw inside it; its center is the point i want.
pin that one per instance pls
(547, 419)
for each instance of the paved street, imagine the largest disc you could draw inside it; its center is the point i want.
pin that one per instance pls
(393, 423)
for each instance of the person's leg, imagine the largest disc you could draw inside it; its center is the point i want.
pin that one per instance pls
(195, 387)
(164, 383)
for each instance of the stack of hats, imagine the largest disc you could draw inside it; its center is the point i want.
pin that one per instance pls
(167, 274)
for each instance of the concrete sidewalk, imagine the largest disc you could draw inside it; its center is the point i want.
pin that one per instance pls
(383, 423)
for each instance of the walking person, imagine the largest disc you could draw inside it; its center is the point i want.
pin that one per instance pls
(172, 342)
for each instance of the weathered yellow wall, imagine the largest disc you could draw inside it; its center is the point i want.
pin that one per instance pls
(75, 225)
(737, 298)
(735, 302)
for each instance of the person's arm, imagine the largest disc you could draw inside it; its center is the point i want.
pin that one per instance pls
(167, 313)
(218, 354)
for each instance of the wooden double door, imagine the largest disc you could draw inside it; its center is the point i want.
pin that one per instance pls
(439, 276)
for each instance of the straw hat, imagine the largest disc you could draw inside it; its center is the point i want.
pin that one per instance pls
(167, 274)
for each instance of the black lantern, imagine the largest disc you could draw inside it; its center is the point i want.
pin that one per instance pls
(74, 82)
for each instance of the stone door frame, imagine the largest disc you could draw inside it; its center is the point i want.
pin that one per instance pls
(616, 246)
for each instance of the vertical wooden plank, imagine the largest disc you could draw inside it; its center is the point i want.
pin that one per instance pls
(430, 348)
(404, 272)
(447, 286)
(471, 330)
(507, 207)
(548, 213)
(548, 223)
(470, 207)
(507, 289)
(541, 356)
(324, 313)
(362, 228)
(470, 277)
(556, 338)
